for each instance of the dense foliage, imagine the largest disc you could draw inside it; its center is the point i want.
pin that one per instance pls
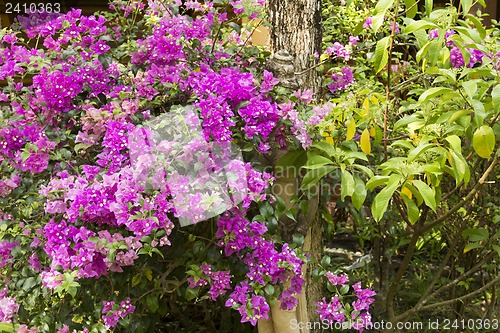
(133, 192)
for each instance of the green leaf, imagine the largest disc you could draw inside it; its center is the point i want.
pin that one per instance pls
(411, 209)
(420, 149)
(269, 289)
(460, 168)
(366, 170)
(152, 302)
(472, 246)
(359, 194)
(298, 239)
(437, 91)
(419, 25)
(495, 95)
(314, 176)
(236, 27)
(344, 289)
(325, 261)
(428, 7)
(377, 181)
(496, 248)
(347, 185)
(380, 10)
(466, 5)
(105, 59)
(470, 88)
(483, 141)
(479, 27)
(190, 294)
(381, 55)
(427, 193)
(455, 143)
(411, 8)
(328, 148)
(476, 234)
(381, 201)
(317, 161)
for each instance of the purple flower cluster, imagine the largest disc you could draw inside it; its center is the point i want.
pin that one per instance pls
(56, 90)
(335, 311)
(341, 80)
(250, 306)
(319, 113)
(115, 312)
(298, 128)
(7, 185)
(221, 93)
(339, 51)
(456, 57)
(266, 265)
(219, 281)
(8, 307)
(5, 252)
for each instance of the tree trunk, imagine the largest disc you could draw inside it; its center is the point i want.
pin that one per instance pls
(296, 27)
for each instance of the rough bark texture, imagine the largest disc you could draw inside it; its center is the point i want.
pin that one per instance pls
(296, 27)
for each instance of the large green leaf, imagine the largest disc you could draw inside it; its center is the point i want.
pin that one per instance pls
(317, 161)
(7, 328)
(466, 5)
(312, 177)
(420, 149)
(419, 25)
(411, 7)
(380, 12)
(437, 91)
(359, 194)
(381, 201)
(377, 181)
(326, 147)
(427, 193)
(347, 185)
(483, 141)
(476, 234)
(381, 55)
(412, 210)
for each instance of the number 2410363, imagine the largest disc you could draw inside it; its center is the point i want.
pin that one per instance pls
(32, 7)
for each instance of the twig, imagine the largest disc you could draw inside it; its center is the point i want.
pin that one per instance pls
(467, 199)
(462, 298)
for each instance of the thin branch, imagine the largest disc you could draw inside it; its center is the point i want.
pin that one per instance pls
(462, 276)
(311, 68)
(433, 282)
(462, 298)
(388, 89)
(467, 199)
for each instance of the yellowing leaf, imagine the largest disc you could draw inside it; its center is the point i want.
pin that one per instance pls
(407, 192)
(351, 129)
(365, 143)
(484, 141)
(366, 107)
(329, 139)
(372, 131)
(374, 100)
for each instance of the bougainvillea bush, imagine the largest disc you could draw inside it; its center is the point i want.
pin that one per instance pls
(95, 182)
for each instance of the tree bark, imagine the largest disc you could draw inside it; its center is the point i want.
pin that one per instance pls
(296, 27)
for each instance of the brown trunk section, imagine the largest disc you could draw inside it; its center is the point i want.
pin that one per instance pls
(296, 26)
